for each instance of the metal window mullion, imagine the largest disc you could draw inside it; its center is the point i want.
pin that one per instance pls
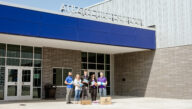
(62, 77)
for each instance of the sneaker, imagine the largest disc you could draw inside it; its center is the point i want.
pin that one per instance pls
(70, 103)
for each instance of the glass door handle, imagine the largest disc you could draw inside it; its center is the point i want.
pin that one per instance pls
(15, 83)
(22, 83)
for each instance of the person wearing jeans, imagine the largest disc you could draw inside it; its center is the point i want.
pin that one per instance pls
(69, 83)
(78, 85)
(102, 83)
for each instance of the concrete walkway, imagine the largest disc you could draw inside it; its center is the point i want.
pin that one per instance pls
(118, 103)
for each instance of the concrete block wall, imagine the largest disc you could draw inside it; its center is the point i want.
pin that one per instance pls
(54, 57)
(164, 73)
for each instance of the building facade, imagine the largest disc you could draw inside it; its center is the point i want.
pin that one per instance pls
(165, 72)
(38, 47)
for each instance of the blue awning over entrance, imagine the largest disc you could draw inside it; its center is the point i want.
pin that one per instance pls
(28, 22)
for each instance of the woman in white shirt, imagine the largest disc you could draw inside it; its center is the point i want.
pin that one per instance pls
(78, 88)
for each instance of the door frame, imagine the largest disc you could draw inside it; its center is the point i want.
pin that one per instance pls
(19, 84)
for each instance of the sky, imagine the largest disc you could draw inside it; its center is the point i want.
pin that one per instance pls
(53, 5)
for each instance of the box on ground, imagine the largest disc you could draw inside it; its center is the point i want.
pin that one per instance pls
(86, 102)
(105, 100)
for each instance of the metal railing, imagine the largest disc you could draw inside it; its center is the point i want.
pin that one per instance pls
(98, 15)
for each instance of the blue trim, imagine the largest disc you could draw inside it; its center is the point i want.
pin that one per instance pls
(26, 22)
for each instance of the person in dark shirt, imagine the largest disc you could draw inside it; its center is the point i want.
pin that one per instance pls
(85, 81)
(93, 87)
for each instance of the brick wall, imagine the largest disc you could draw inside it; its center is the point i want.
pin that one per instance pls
(53, 57)
(165, 73)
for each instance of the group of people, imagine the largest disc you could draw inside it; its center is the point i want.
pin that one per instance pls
(83, 85)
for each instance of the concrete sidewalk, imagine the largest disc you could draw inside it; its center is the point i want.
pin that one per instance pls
(118, 103)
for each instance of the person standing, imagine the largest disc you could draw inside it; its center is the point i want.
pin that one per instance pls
(93, 87)
(69, 83)
(102, 83)
(78, 85)
(85, 81)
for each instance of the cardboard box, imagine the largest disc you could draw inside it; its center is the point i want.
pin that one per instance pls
(105, 100)
(86, 102)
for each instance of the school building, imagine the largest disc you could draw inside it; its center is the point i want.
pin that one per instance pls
(147, 54)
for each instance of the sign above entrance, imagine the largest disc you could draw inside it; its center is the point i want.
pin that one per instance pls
(35, 23)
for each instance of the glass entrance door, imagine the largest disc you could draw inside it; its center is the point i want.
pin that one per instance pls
(18, 83)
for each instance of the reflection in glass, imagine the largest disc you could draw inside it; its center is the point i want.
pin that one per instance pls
(2, 76)
(2, 49)
(36, 92)
(1, 92)
(83, 57)
(107, 59)
(37, 63)
(108, 91)
(92, 57)
(92, 66)
(57, 76)
(37, 77)
(26, 75)
(83, 66)
(13, 62)
(107, 67)
(107, 75)
(2, 61)
(26, 52)
(12, 75)
(100, 66)
(25, 62)
(82, 72)
(12, 90)
(13, 51)
(25, 90)
(100, 58)
(38, 53)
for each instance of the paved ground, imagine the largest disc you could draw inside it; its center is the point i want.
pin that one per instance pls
(118, 103)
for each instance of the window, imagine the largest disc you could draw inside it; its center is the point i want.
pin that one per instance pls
(84, 57)
(16, 55)
(38, 53)
(2, 49)
(37, 63)
(13, 62)
(2, 78)
(59, 76)
(26, 52)
(100, 58)
(36, 92)
(98, 62)
(2, 61)
(84, 66)
(107, 75)
(13, 51)
(92, 66)
(92, 57)
(37, 77)
(107, 59)
(25, 62)
(37, 83)
(100, 66)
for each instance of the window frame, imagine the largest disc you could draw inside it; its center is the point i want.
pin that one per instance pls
(63, 79)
